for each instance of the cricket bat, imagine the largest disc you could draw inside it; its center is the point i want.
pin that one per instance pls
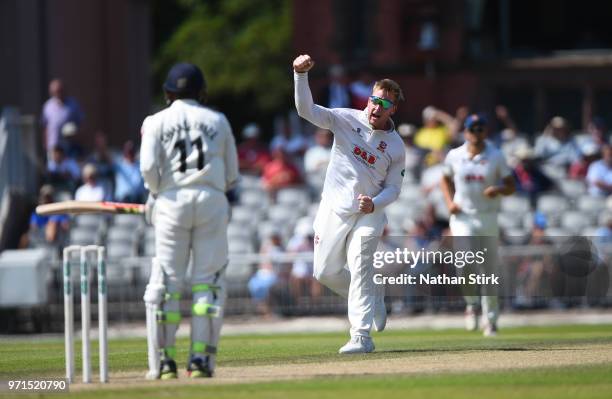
(79, 207)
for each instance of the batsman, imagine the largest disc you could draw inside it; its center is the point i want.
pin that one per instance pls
(188, 161)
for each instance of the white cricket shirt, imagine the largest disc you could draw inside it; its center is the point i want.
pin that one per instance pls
(363, 160)
(188, 144)
(472, 175)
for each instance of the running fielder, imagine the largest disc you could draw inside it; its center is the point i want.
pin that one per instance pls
(475, 177)
(188, 161)
(364, 175)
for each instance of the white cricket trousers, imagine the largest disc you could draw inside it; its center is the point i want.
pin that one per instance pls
(343, 256)
(193, 221)
(485, 227)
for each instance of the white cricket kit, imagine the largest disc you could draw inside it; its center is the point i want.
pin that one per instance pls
(363, 161)
(478, 216)
(188, 160)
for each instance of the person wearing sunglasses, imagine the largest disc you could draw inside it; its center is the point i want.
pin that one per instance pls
(475, 177)
(364, 175)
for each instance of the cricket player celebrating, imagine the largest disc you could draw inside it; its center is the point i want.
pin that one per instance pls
(188, 161)
(475, 176)
(364, 175)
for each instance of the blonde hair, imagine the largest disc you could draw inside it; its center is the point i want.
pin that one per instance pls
(391, 86)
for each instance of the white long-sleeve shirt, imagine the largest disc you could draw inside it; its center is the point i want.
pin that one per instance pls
(185, 145)
(363, 160)
(472, 175)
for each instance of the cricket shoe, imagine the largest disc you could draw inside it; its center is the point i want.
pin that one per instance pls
(199, 368)
(471, 319)
(357, 344)
(490, 330)
(380, 313)
(167, 370)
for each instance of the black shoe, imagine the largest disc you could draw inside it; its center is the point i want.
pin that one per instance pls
(167, 370)
(199, 368)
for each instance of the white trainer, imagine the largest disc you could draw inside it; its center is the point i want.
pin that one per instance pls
(357, 344)
(380, 313)
(471, 319)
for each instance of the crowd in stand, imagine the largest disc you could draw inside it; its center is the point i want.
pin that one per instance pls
(101, 174)
(297, 156)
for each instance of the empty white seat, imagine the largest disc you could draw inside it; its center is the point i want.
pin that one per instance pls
(604, 218)
(515, 204)
(92, 222)
(590, 231)
(254, 198)
(576, 221)
(116, 250)
(591, 204)
(509, 220)
(283, 213)
(247, 182)
(245, 215)
(240, 247)
(83, 236)
(572, 188)
(557, 234)
(552, 203)
(130, 221)
(516, 236)
(121, 234)
(293, 197)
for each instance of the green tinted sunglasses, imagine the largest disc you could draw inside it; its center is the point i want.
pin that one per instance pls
(386, 104)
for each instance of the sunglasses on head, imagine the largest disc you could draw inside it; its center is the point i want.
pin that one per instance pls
(386, 104)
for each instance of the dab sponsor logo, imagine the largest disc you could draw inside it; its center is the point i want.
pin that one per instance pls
(365, 157)
(382, 146)
(474, 178)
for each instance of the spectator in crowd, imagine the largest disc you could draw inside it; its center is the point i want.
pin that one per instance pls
(45, 230)
(555, 146)
(129, 186)
(91, 190)
(596, 133)
(436, 133)
(530, 180)
(532, 269)
(361, 90)
(103, 159)
(58, 110)
(589, 152)
(280, 173)
(317, 158)
(64, 173)
(430, 183)
(71, 145)
(509, 140)
(253, 154)
(414, 155)
(291, 141)
(599, 176)
(302, 282)
(267, 275)
(336, 94)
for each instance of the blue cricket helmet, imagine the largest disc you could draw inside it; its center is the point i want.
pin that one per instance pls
(184, 78)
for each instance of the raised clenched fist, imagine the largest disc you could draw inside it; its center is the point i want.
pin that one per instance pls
(303, 63)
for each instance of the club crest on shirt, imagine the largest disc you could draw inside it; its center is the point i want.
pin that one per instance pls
(382, 146)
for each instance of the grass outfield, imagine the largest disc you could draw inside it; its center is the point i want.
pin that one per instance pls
(538, 362)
